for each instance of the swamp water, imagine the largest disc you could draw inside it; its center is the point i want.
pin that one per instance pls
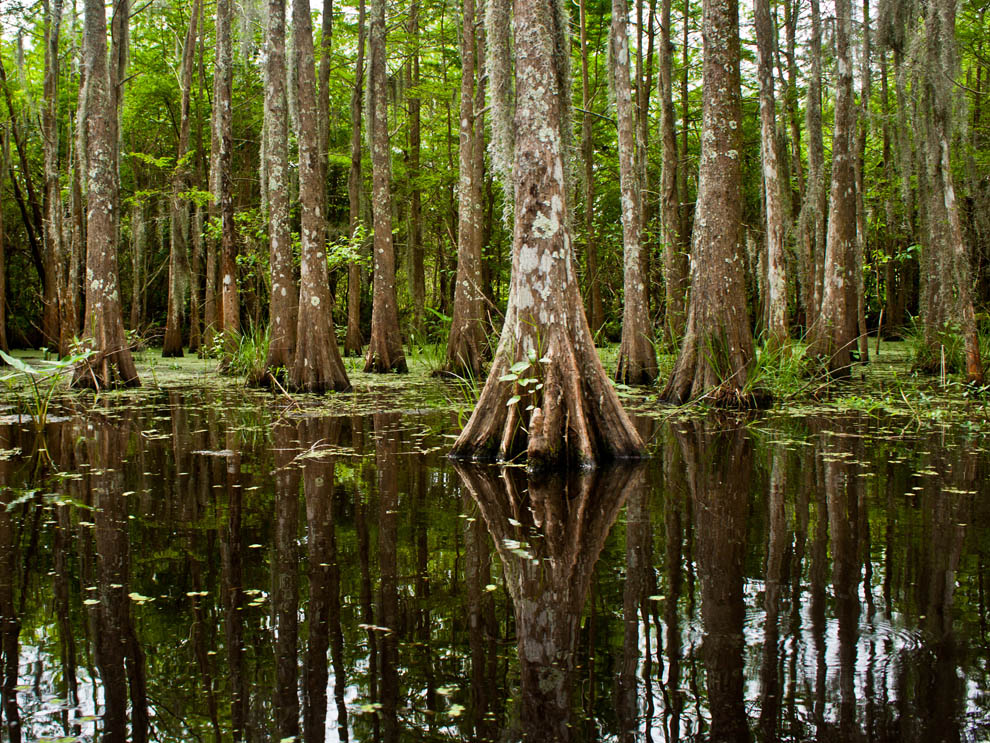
(200, 566)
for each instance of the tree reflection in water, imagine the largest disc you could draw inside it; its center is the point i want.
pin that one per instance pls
(548, 533)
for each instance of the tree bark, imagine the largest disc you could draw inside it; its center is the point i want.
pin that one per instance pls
(54, 270)
(4, 149)
(814, 204)
(593, 281)
(717, 348)
(417, 275)
(111, 362)
(284, 294)
(776, 270)
(861, 251)
(947, 303)
(229, 310)
(178, 263)
(353, 341)
(317, 366)
(466, 343)
(637, 359)
(139, 241)
(675, 259)
(385, 347)
(547, 393)
(833, 336)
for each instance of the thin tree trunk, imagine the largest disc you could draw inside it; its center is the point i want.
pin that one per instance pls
(466, 344)
(776, 270)
(178, 266)
(593, 280)
(55, 273)
(229, 310)
(4, 156)
(317, 366)
(353, 341)
(717, 348)
(833, 337)
(675, 262)
(861, 250)
(814, 205)
(111, 362)
(637, 359)
(284, 294)
(417, 275)
(385, 347)
(139, 241)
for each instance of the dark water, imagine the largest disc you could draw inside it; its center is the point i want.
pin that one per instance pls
(201, 567)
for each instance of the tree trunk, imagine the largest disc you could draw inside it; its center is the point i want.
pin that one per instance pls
(675, 263)
(637, 359)
(861, 249)
(229, 310)
(948, 301)
(776, 269)
(385, 347)
(717, 348)
(833, 336)
(353, 341)
(546, 383)
(466, 344)
(284, 294)
(417, 275)
(3, 253)
(593, 281)
(111, 362)
(317, 366)
(54, 270)
(814, 205)
(139, 241)
(178, 261)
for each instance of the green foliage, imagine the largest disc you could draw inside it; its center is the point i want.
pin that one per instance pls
(42, 380)
(248, 358)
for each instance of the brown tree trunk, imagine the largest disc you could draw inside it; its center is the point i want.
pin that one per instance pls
(385, 347)
(178, 261)
(4, 156)
(229, 309)
(284, 294)
(814, 204)
(861, 250)
(546, 383)
(417, 275)
(948, 300)
(776, 269)
(593, 281)
(466, 344)
(139, 241)
(317, 366)
(675, 263)
(55, 271)
(833, 336)
(637, 359)
(718, 346)
(353, 341)
(111, 362)
(195, 272)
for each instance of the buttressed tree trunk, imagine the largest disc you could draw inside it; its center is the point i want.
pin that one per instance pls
(637, 358)
(284, 293)
(833, 336)
(178, 261)
(111, 362)
(318, 366)
(385, 347)
(547, 393)
(352, 339)
(466, 344)
(718, 346)
(776, 270)
(947, 303)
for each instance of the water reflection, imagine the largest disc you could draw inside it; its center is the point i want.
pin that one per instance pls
(548, 534)
(192, 568)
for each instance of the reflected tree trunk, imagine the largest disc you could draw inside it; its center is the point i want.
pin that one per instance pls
(285, 584)
(386, 456)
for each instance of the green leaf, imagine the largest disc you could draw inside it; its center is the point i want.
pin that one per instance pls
(519, 367)
(18, 364)
(513, 400)
(508, 378)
